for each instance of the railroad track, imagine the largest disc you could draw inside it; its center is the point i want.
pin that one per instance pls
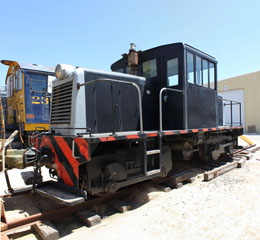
(89, 214)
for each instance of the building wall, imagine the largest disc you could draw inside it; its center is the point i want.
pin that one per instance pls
(251, 85)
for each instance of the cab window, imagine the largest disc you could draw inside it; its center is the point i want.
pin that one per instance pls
(205, 73)
(172, 72)
(150, 68)
(16, 80)
(13, 83)
(20, 80)
(190, 68)
(121, 70)
(9, 87)
(127, 70)
(212, 75)
(36, 81)
(198, 71)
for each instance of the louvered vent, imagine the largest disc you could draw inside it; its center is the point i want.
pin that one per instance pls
(61, 103)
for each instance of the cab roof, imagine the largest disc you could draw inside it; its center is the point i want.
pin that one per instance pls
(29, 66)
(176, 45)
(26, 66)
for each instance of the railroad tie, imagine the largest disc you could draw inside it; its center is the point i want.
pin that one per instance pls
(46, 230)
(120, 206)
(89, 218)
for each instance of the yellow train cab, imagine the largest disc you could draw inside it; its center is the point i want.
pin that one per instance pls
(28, 98)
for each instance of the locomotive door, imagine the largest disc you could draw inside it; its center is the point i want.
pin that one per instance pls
(172, 104)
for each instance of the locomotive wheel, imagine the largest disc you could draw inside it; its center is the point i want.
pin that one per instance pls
(112, 187)
(204, 153)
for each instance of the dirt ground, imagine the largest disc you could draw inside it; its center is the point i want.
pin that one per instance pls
(225, 208)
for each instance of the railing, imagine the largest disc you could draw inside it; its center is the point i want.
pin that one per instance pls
(124, 82)
(231, 104)
(160, 103)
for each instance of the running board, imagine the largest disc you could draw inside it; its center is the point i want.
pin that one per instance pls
(61, 193)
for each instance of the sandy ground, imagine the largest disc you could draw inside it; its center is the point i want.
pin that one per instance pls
(227, 207)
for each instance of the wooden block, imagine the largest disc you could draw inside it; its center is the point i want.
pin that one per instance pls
(2, 211)
(182, 176)
(219, 171)
(4, 237)
(249, 156)
(120, 206)
(208, 176)
(46, 230)
(178, 185)
(164, 188)
(3, 226)
(190, 180)
(89, 218)
(241, 163)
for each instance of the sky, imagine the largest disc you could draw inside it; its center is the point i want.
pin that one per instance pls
(94, 34)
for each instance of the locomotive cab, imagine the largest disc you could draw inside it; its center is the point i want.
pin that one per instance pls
(28, 103)
(185, 77)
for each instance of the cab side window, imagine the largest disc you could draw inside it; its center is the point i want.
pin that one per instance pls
(9, 87)
(150, 68)
(198, 71)
(205, 73)
(190, 68)
(212, 75)
(172, 72)
(16, 80)
(121, 70)
(13, 83)
(20, 80)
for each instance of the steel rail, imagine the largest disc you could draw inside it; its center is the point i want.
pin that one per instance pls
(10, 226)
(57, 213)
(243, 149)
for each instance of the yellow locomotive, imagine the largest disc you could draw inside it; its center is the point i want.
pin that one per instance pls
(28, 99)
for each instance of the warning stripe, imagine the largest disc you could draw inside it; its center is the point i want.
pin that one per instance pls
(152, 134)
(68, 154)
(132, 136)
(45, 141)
(81, 142)
(107, 139)
(64, 167)
(169, 133)
(183, 131)
(143, 135)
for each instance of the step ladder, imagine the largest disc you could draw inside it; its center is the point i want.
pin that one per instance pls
(154, 154)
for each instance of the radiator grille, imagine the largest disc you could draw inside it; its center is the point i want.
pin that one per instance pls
(61, 103)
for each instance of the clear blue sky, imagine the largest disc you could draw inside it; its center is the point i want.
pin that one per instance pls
(94, 34)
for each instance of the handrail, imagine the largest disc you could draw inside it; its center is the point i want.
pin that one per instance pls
(231, 110)
(160, 102)
(124, 82)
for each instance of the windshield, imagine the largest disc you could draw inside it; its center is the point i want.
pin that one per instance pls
(36, 81)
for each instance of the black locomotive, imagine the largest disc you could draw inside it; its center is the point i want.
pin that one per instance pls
(109, 130)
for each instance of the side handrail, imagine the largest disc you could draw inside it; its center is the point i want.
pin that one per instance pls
(160, 102)
(124, 82)
(232, 103)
